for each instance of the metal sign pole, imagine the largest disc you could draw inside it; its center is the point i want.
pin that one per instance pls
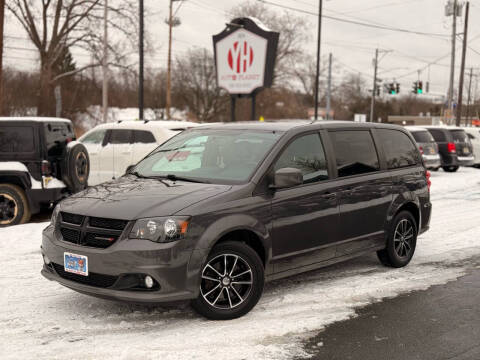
(254, 96)
(232, 107)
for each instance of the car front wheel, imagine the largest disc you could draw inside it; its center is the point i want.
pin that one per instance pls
(401, 241)
(450, 168)
(232, 282)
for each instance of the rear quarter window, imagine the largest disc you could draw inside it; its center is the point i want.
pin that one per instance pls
(143, 137)
(17, 139)
(355, 152)
(399, 149)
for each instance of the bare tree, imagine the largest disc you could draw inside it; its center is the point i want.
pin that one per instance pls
(195, 85)
(293, 36)
(56, 25)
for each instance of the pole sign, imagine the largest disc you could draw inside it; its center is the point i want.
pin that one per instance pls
(245, 56)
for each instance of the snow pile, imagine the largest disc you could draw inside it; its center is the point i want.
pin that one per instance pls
(41, 319)
(94, 116)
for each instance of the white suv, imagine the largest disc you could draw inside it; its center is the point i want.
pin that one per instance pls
(473, 134)
(113, 147)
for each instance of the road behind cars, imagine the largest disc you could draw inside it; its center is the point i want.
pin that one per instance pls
(48, 321)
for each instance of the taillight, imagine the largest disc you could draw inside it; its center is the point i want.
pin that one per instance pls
(451, 148)
(421, 149)
(46, 168)
(68, 140)
(427, 175)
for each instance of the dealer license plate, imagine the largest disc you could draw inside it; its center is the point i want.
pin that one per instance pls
(466, 150)
(76, 264)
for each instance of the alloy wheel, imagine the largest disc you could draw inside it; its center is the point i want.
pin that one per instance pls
(227, 281)
(403, 238)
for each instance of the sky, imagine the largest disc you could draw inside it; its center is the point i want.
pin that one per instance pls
(352, 46)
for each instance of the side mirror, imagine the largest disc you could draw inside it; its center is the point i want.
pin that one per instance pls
(129, 169)
(287, 177)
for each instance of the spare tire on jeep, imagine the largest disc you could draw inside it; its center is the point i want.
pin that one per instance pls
(76, 167)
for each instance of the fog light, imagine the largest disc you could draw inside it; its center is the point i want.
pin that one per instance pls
(46, 259)
(148, 282)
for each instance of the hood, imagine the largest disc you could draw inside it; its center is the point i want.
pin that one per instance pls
(130, 198)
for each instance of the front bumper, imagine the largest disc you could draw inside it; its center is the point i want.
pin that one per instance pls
(174, 268)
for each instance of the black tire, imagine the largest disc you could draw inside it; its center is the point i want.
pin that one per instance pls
(230, 299)
(401, 242)
(14, 208)
(450, 168)
(435, 169)
(76, 167)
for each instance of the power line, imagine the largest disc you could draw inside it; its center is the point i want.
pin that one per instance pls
(382, 27)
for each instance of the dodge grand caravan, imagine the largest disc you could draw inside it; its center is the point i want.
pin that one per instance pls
(217, 210)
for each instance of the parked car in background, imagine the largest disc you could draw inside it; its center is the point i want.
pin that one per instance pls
(113, 147)
(454, 146)
(427, 146)
(473, 134)
(217, 210)
(40, 163)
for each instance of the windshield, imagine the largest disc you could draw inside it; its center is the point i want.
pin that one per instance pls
(213, 156)
(422, 136)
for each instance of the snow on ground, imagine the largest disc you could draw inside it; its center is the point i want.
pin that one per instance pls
(41, 319)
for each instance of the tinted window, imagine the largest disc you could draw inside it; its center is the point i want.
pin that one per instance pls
(16, 139)
(355, 152)
(399, 150)
(95, 137)
(120, 137)
(438, 135)
(306, 154)
(422, 136)
(459, 136)
(142, 136)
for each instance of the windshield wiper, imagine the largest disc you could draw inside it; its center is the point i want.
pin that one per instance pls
(181, 178)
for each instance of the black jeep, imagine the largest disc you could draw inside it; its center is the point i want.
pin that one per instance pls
(40, 163)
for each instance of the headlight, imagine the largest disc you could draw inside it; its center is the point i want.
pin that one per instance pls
(160, 229)
(55, 212)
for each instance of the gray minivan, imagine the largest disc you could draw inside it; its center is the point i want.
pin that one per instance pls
(217, 210)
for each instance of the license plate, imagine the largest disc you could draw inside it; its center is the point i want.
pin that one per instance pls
(432, 151)
(76, 264)
(466, 150)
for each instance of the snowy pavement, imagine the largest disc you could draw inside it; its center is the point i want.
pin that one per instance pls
(43, 320)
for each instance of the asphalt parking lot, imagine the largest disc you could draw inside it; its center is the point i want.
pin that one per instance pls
(442, 322)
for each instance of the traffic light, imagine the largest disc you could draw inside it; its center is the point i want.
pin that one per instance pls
(417, 87)
(393, 88)
(420, 87)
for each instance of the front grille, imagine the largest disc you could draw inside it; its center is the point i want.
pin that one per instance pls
(70, 235)
(90, 231)
(72, 218)
(93, 279)
(108, 223)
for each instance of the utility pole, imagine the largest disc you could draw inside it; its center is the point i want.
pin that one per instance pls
(105, 62)
(317, 74)
(462, 69)
(467, 121)
(374, 89)
(329, 86)
(2, 17)
(140, 72)
(452, 60)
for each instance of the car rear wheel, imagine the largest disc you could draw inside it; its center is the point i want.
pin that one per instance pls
(14, 207)
(401, 241)
(450, 168)
(232, 282)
